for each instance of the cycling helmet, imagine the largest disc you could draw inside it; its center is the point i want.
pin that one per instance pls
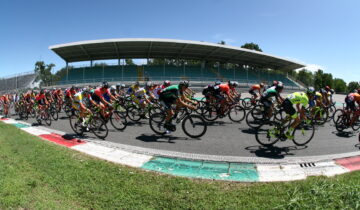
(358, 90)
(184, 83)
(262, 85)
(332, 91)
(118, 85)
(218, 82)
(105, 85)
(42, 91)
(233, 83)
(310, 91)
(137, 83)
(275, 83)
(149, 84)
(322, 91)
(327, 88)
(72, 87)
(85, 90)
(166, 83)
(122, 85)
(279, 86)
(113, 87)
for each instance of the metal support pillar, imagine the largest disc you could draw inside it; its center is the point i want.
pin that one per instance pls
(67, 71)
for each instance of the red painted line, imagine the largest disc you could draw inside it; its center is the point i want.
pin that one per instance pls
(58, 139)
(351, 163)
(4, 118)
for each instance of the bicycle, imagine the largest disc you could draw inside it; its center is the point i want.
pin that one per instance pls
(271, 132)
(189, 122)
(44, 115)
(94, 123)
(344, 120)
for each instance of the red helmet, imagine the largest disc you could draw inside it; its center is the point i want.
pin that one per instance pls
(275, 83)
(167, 83)
(261, 85)
(327, 88)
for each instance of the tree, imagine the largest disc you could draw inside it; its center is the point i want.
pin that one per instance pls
(44, 73)
(305, 77)
(339, 85)
(353, 86)
(318, 79)
(222, 42)
(129, 62)
(252, 46)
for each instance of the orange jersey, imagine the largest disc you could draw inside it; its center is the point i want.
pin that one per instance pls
(255, 87)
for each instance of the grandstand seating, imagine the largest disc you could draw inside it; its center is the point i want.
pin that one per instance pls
(157, 72)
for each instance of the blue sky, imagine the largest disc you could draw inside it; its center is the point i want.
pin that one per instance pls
(320, 33)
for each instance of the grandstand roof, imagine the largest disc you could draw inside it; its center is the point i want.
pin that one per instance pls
(168, 48)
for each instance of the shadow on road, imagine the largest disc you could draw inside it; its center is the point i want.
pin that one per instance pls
(273, 151)
(344, 134)
(157, 138)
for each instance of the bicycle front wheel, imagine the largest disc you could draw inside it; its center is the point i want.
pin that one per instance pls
(303, 133)
(194, 126)
(75, 125)
(98, 127)
(118, 120)
(236, 114)
(268, 133)
(156, 122)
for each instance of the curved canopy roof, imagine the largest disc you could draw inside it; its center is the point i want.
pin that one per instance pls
(168, 48)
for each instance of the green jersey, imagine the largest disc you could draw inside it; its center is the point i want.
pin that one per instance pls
(298, 98)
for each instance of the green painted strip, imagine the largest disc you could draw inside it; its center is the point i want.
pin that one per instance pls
(199, 98)
(20, 125)
(245, 172)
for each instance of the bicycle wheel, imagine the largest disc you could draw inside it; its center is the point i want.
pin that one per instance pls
(75, 125)
(237, 113)
(118, 120)
(268, 133)
(200, 107)
(251, 121)
(321, 116)
(134, 114)
(47, 117)
(194, 126)
(336, 115)
(209, 113)
(303, 133)
(98, 127)
(246, 103)
(356, 125)
(54, 114)
(156, 122)
(341, 122)
(67, 110)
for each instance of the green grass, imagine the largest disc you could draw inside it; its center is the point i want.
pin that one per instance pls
(37, 174)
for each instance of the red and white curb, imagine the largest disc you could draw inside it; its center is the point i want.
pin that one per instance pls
(266, 172)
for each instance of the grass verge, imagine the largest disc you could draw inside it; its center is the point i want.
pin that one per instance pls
(36, 174)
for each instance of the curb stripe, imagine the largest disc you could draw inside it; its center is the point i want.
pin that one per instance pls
(58, 139)
(351, 163)
(245, 172)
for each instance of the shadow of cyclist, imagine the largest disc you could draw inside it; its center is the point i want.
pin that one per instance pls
(273, 151)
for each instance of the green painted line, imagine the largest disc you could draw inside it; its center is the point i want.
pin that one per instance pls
(20, 125)
(199, 98)
(245, 172)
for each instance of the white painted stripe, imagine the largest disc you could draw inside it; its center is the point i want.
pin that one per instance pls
(35, 131)
(275, 173)
(329, 168)
(113, 155)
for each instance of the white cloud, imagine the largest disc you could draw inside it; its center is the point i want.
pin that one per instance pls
(312, 67)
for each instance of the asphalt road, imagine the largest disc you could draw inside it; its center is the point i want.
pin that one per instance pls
(224, 138)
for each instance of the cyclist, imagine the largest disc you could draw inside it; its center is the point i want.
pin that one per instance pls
(99, 94)
(265, 99)
(300, 100)
(41, 100)
(120, 89)
(6, 102)
(253, 88)
(174, 94)
(226, 96)
(81, 101)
